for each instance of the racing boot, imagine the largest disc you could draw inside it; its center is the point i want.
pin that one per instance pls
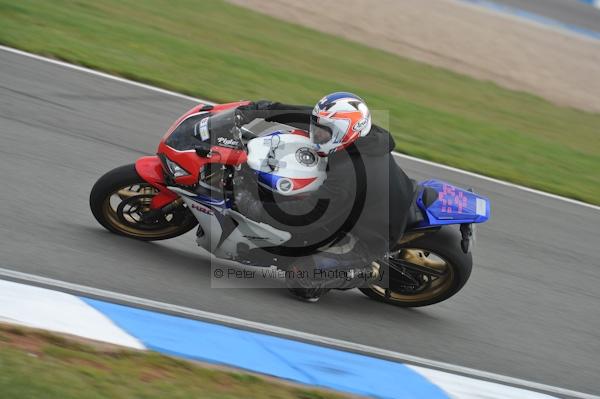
(304, 288)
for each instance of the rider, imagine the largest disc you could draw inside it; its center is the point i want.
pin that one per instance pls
(350, 221)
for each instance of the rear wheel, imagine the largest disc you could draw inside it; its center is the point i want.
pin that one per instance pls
(425, 271)
(120, 201)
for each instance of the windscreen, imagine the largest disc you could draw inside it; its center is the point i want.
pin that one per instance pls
(222, 125)
(184, 136)
(217, 129)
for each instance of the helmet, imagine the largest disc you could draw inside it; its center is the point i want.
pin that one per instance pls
(337, 121)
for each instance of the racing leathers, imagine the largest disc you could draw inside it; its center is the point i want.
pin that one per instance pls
(354, 216)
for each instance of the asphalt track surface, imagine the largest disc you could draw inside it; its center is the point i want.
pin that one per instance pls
(529, 311)
(571, 12)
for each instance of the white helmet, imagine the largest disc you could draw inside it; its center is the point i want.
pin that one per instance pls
(337, 121)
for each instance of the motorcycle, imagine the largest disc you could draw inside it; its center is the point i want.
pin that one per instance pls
(190, 182)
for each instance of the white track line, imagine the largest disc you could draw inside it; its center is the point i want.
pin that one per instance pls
(500, 182)
(175, 94)
(267, 328)
(98, 73)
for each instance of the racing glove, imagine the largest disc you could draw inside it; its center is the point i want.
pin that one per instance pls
(245, 114)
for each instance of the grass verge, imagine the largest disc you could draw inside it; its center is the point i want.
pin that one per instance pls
(38, 364)
(222, 52)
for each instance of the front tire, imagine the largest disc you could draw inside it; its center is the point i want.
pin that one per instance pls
(440, 250)
(121, 198)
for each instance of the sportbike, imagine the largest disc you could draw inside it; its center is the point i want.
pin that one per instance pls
(190, 182)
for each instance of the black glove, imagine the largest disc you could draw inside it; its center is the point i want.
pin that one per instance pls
(245, 114)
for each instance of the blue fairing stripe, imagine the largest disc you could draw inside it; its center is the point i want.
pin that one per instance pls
(268, 179)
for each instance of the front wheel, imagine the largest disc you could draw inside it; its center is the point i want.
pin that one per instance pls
(120, 201)
(439, 253)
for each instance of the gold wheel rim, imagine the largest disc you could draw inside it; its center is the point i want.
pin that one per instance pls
(437, 287)
(110, 211)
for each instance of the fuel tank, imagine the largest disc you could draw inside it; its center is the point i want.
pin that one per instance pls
(286, 163)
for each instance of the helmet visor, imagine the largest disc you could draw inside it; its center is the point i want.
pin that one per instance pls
(320, 134)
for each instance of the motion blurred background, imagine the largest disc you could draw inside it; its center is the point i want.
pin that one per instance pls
(508, 89)
(513, 95)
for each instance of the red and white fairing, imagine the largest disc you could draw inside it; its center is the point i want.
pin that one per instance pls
(286, 162)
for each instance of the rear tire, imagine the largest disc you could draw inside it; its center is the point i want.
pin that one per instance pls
(120, 198)
(438, 248)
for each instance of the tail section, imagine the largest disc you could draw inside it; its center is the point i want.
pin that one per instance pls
(443, 203)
